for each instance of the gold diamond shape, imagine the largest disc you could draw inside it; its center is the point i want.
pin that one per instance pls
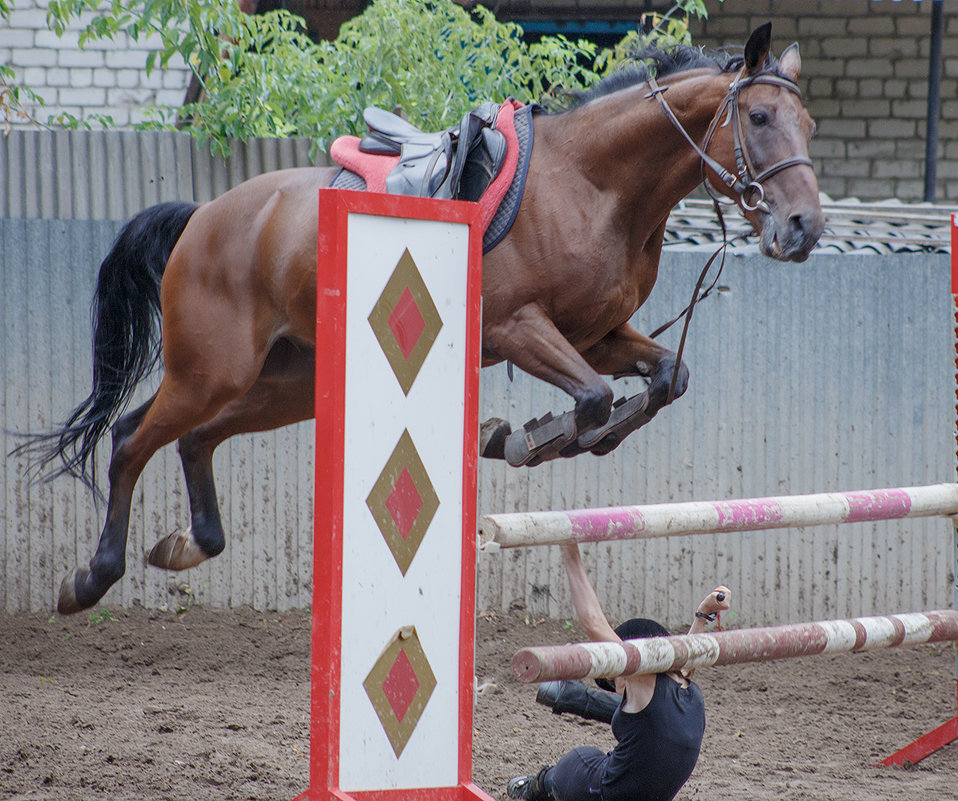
(405, 299)
(403, 520)
(400, 685)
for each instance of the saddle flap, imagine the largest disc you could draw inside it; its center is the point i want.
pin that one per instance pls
(392, 125)
(485, 159)
(376, 144)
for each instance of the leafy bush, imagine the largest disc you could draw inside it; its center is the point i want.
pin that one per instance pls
(262, 76)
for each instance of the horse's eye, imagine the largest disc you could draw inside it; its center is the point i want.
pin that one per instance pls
(758, 118)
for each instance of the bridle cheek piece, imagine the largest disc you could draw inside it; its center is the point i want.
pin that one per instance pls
(744, 182)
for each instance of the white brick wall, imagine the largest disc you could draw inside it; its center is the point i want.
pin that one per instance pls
(105, 77)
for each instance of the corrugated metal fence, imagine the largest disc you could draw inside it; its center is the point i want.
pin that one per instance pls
(95, 175)
(833, 374)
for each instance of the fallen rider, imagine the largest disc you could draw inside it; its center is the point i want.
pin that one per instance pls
(658, 720)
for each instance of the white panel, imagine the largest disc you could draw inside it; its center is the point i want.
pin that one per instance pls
(377, 599)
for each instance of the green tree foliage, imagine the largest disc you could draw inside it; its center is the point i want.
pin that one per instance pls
(262, 76)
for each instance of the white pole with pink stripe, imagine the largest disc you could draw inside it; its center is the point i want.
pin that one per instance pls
(662, 654)
(711, 517)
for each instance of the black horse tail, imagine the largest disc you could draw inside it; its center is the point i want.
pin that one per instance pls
(127, 337)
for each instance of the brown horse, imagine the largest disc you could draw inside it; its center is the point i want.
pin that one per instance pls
(235, 282)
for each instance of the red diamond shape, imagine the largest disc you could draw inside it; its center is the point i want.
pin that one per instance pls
(406, 322)
(401, 685)
(404, 502)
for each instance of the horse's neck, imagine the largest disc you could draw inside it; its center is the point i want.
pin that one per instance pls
(625, 144)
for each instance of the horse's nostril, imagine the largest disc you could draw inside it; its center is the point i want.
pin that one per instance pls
(804, 229)
(796, 225)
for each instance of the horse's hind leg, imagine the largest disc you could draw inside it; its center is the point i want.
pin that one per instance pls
(178, 406)
(204, 538)
(626, 352)
(82, 587)
(282, 395)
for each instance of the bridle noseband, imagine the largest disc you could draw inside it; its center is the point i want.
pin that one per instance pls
(748, 186)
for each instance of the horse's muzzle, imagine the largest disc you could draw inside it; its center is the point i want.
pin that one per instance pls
(795, 239)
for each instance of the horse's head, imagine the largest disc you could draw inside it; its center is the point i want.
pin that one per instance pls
(761, 133)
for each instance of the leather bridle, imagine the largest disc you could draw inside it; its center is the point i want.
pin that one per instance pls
(744, 182)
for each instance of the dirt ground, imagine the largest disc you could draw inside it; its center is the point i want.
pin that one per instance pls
(211, 705)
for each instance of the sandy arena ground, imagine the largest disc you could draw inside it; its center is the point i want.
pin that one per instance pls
(211, 705)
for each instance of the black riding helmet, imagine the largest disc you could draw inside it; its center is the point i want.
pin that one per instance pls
(638, 628)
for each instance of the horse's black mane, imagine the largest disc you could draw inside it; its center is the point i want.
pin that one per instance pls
(661, 62)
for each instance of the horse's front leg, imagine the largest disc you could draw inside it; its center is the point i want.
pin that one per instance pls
(282, 395)
(531, 341)
(626, 352)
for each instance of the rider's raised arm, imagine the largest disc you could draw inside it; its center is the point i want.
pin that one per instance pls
(716, 601)
(587, 608)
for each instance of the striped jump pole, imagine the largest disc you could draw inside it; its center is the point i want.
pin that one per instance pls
(523, 529)
(662, 654)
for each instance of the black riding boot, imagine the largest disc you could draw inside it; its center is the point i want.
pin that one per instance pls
(576, 698)
(529, 788)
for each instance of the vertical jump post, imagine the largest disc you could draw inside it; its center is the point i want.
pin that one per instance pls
(397, 386)
(947, 732)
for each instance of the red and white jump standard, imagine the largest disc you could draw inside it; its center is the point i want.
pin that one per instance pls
(397, 386)
(947, 732)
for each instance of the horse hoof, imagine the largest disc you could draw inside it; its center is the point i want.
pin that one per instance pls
(627, 416)
(492, 438)
(606, 445)
(177, 551)
(67, 603)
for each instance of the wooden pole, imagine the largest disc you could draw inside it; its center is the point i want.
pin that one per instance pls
(662, 654)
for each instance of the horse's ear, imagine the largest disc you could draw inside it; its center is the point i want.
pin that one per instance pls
(757, 47)
(790, 64)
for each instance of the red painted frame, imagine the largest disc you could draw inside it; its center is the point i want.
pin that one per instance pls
(947, 732)
(335, 206)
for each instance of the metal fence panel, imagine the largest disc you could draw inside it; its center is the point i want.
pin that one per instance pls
(834, 374)
(111, 175)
